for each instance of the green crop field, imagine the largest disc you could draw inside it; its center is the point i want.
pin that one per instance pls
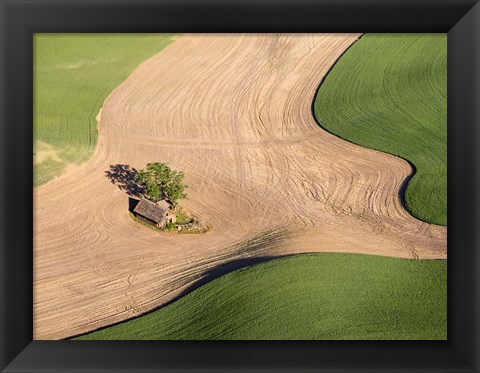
(73, 75)
(322, 296)
(389, 92)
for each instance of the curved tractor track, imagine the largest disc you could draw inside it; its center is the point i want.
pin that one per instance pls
(234, 113)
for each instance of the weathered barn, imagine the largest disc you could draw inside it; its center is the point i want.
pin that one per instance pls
(158, 214)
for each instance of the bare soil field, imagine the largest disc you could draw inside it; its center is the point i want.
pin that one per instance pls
(233, 112)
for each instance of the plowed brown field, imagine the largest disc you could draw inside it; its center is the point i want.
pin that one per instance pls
(234, 113)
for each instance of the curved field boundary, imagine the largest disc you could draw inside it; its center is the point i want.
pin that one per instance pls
(233, 112)
(314, 297)
(73, 75)
(388, 92)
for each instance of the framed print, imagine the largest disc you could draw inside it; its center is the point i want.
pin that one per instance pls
(173, 200)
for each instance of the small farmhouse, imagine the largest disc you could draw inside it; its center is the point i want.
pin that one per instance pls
(158, 214)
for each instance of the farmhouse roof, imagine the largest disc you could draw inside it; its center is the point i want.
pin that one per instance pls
(151, 210)
(163, 204)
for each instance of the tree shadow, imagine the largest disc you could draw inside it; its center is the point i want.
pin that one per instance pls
(123, 176)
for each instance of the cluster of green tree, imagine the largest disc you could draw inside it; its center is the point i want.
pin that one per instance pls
(161, 182)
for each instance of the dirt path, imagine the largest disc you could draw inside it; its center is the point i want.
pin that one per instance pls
(234, 113)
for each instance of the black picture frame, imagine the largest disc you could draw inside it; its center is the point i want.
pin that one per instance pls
(19, 19)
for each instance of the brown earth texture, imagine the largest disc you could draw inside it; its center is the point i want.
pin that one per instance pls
(233, 112)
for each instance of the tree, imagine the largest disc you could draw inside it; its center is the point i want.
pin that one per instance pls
(161, 182)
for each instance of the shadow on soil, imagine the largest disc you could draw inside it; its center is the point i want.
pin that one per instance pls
(132, 203)
(405, 183)
(123, 176)
(208, 276)
(221, 270)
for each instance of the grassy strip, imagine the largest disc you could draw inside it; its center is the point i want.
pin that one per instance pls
(73, 75)
(315, 296)
(388, 92)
